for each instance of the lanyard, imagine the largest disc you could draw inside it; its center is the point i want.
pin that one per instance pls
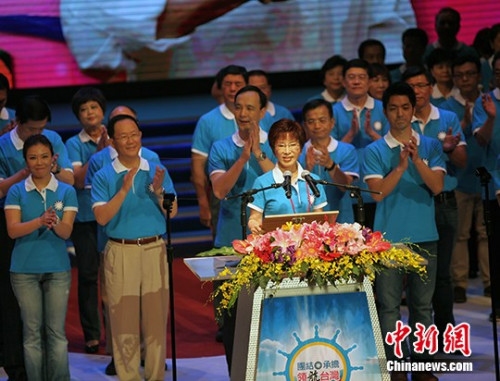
(308, 201)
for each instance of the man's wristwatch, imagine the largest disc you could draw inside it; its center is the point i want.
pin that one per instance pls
(328, 169)
(262, 156)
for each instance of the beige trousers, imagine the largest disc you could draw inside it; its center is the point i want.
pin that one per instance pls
(137, 292)
(470, 210)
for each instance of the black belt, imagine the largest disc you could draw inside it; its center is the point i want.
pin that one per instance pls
(443, 196)
(137, 241)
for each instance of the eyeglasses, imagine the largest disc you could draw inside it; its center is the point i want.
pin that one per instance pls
(467, 74)
(123, 138)
(419, 85)
(291, 146)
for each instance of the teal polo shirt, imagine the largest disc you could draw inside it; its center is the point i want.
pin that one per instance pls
(80, 148)
(407, 213)
(436, 126)
(11, 154)
(223, 155)
(140, 214)
(274, 201)
(345, 156)
(468, 182)
(275, 112)
(6, 115)
(41, 251)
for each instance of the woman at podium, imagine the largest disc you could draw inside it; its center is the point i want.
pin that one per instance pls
(286, 138)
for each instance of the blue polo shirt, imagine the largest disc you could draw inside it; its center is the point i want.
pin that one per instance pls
(274, 201)
(438, 98)
(492, 150)
(327, 97)
(140, 214)
(468, 182)
(274, 113)
(345, 156)
(11, 154)
(342, 112)
(218, 124)
(80, 148)
(41, 251)
(436, 126)
(407, 213)
(6, 115)
(100, 160)
(223, 155)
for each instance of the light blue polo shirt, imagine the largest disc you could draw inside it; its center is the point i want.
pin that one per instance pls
(100, 160)
(436, 126)
(41, 251)
(6, 115)
(438, 98)
(274, 201)
(492, 150)
(223, 155)
(11, 154)
(342, 112)
(276, 112)
(468, 182)
(327, 97)
(80, 148)
(140, 214)
(407, 213)
(345, 156)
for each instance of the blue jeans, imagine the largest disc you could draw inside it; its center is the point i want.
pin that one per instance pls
(43, 300)
(389, 286)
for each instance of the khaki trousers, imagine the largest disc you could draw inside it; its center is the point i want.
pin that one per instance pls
(470, 210)
(137, 291)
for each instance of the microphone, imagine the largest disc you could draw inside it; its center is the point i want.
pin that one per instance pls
(306, 175)
(287, 184)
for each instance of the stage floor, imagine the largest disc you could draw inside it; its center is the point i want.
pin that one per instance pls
(476, 312)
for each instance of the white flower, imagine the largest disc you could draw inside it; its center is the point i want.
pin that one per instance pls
(441, 135)
(311, 199)
(426, 162)
(150, 188)
(58, 205)
(377, 125)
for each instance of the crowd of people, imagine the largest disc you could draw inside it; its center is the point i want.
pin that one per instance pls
(415, 134)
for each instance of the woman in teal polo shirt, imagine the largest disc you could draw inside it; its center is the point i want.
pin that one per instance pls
(40, 212)
(286, 138)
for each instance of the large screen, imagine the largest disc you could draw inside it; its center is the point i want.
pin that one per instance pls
(75, 42)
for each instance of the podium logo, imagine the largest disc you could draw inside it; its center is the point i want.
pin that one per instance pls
(318, 358)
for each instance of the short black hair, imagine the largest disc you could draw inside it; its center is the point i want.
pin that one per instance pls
(32, 107)
(399, 88)
(259, 72)
(418, 34)
(87, 94)
(414, 71)
(370, 42)
(439, 56)
(450, 10)
(378, 69)
(33, 140)
(494, 31)
(4, 83)
(112, 122)
(469, 58)
(331, 63)
(231, 70)
(496, 57)
(314, 104)
(255, 89)
(357, 63)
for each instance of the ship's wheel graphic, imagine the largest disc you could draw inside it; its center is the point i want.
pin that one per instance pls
(328, 356)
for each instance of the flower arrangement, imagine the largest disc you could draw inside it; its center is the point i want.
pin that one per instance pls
(319, 253)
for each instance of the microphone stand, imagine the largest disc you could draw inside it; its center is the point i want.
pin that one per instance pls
(168, 200)
(354, 191)
(246, 198)
(484, 178)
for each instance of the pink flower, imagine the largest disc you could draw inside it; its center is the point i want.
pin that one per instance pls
(377, 243)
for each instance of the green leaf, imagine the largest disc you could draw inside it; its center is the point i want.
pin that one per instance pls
(225, 250)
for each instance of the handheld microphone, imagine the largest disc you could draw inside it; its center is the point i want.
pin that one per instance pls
(306, 175)
(287, 184)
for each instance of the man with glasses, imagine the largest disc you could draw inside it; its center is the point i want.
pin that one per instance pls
(486, 129)
(359, 119)
(444, 126)
(32, 116)
(466, 78)
(127, 199)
